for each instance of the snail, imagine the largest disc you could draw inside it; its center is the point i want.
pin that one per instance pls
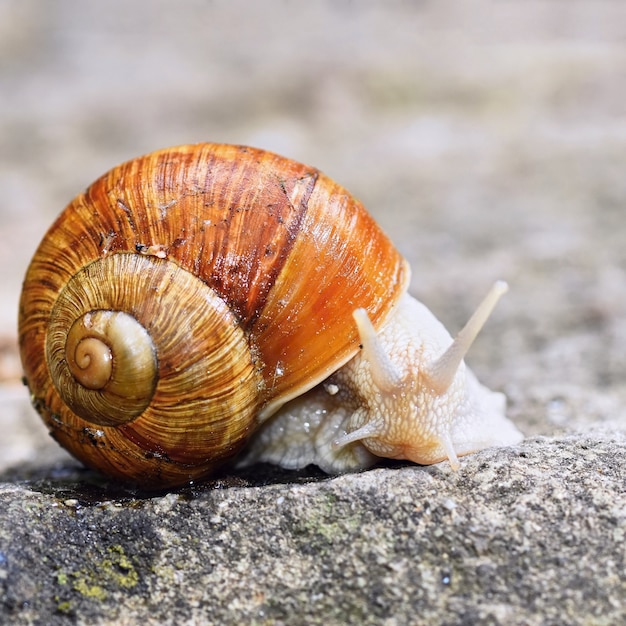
(208, 301)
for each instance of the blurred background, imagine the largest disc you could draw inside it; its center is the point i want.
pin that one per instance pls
(487, 138)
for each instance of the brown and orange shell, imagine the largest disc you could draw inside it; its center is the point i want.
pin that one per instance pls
(202, 245)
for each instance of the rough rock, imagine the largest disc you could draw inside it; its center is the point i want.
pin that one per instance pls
(531, 535)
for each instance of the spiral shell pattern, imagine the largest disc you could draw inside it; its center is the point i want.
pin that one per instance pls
(185, 296)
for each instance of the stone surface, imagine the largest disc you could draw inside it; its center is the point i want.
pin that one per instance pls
(489, 140)
(533, 535)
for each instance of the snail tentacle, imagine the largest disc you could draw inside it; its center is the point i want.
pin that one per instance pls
(440, 373)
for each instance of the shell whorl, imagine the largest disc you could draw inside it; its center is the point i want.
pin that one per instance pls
(109, 371)
(177, 356)
(89, 358)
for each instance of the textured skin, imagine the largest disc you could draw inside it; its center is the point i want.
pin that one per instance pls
(406, 421)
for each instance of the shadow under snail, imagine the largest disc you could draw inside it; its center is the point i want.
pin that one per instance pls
(208, 298)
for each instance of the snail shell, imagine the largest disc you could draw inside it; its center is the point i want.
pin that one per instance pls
(186, 296)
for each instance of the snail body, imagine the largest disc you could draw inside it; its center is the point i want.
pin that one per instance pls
(205, 297)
